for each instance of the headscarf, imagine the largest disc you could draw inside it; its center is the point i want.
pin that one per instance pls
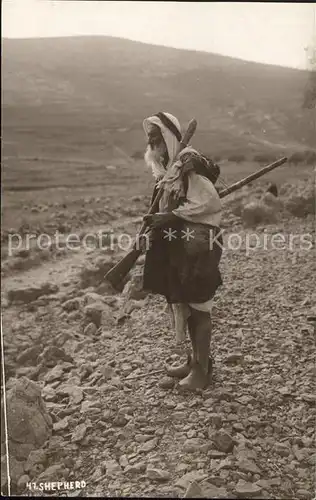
(172, 142)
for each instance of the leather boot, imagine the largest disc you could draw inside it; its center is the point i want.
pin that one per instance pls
(199, 375)
(195, 380)
(184, 369)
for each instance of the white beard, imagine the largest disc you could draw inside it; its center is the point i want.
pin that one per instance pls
(153, 160)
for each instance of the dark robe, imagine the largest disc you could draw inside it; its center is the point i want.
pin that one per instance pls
(184, 270)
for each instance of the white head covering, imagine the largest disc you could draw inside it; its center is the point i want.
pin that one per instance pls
(170, 139)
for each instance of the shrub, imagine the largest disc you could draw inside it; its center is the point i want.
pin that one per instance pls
(301, 205)
(308, 157)
(257, 212)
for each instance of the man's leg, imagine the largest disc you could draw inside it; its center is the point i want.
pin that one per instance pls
(201, 325)
(184, 369)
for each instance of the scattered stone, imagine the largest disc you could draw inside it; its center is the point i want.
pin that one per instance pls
(215, 454)
(50, 474)
(16, 470)
(234, 358)
(223, 441)
(194, 491)
(149, 445)
(29, 356)
(304, 494)
(30, 294)
(244, 489)
(212, 491)
(135, 468)
(157, 474)
(309, 398)
(167, 383)
(193, 445)
(22, 482)
(29, 424)
(123, 461)
(90, 330)
(248, 466)
(282, 449)
(96, 311)
(79, 433)
(61, 425)
(190, 477)
(134, 288)
(36, 457)
(76, 396)
(112, 468)
(215, 420)
(72, 305)
(55, 374)
(52, 355)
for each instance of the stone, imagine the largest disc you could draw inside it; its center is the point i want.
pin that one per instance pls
(76, 396)
(55, 374)
(36, 457)
(79, 433)
(90, 330)
(52, 355)
(112, 468)
(193, 445)
(215, 420)
(215, 454)
(135, 468)
(29, 356)
(123, 461)
(149, 445)
(50, 474)
(16, 470)
(22, 482)
(304, 494)
(281, 449)
(29, 424)
(157, 474)
(61, 425)
(193, 491)
(134, 288)
(223, 441)
(248, 466)
(167, 383)
(96, 312)
(189, 477)
(244, 489)
(31, 293)
(212, 491)
(72, 305)
(234, 358)
(309, 398)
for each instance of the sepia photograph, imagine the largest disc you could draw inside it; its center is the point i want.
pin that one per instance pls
(158, 299)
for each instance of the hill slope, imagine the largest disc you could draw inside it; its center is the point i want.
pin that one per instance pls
(86, 97)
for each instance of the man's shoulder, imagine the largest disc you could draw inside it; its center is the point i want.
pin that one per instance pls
(194, 161)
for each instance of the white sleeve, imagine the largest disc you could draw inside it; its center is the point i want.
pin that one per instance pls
(202, 199)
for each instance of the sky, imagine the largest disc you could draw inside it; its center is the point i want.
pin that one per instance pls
(275, 33)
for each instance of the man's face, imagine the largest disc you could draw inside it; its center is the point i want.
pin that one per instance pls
(156, 140)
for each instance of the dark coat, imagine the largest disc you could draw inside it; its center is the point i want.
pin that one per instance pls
(184, 270)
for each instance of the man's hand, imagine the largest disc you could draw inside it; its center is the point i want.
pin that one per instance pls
(143, 242)
(158, 220)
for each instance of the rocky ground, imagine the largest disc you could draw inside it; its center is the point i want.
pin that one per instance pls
(115, 422)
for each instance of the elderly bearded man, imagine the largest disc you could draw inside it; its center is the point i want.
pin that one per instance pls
(182, 261)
